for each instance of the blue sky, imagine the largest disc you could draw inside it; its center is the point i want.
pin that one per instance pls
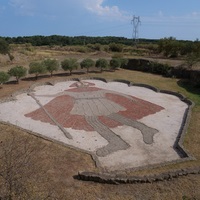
(159, 18)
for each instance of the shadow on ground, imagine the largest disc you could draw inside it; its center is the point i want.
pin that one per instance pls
(186, 84)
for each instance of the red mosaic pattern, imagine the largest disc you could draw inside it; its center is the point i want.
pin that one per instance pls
(59, 108)
(136, 108)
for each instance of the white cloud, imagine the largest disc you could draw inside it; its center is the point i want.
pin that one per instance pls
(96, 7)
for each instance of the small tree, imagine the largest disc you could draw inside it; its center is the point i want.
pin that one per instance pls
(116, 47)
(3, 77)
(37, 68)
(118, 57)
(5, 48)
(51, 65)
(18, 72)
(87, 63)
(69, 64)
(101, 63)
(115, 63)
(169, 46)
(123, 62)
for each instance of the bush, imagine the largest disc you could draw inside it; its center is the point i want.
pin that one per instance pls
(69, 64)
(95, 47)
(87, 63)
(106, 48)
(37, 68)
(123, 62)
(148, 66)
(18, 72)
(4, 77)
(158, 68)
(101, 63)
(51, 65)
(115, 47)
(115, 63)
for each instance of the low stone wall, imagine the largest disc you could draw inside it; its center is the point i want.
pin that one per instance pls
(122, 81)
(180, 96)
(100, 79)
(120, 179)
(146, 86)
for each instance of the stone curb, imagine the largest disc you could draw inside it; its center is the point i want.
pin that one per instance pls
(120, 179)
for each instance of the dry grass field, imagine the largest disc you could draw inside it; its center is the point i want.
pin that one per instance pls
(52, 166)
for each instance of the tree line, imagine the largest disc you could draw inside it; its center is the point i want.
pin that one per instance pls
(40, 40)
(170, 47)
(52, 65)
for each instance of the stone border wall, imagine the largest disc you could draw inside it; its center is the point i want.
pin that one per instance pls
(120, 179)
(146, 86)
(112, 177)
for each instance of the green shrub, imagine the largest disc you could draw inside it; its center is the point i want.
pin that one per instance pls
(116, 47)
(3, 77)
(18, 72)
(115, 63)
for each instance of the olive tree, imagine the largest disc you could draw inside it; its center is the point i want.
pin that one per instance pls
(101, 63)
(69, 64)
(87, 63)
(4, 77)
(37, 68)
(170, 47)
(123, 62)
(115, 63)
(116, 47)
(18, 72)
(5, 48)
(51, 65)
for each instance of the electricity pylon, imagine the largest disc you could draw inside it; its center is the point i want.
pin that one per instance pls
(136, 22)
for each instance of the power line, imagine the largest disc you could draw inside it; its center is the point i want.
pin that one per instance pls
(136, 22)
